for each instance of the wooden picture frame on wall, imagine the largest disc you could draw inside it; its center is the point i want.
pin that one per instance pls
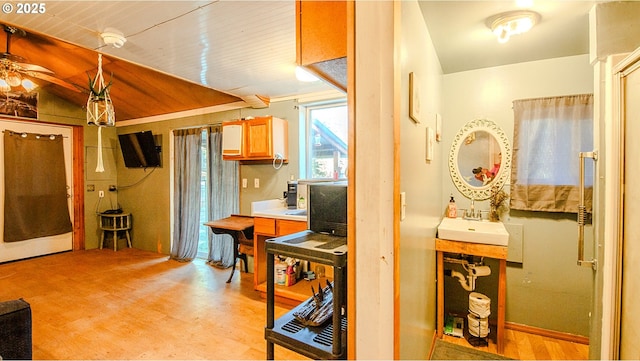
(414, 98)
(19, 104)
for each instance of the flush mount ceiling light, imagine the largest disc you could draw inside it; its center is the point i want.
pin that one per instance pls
(512, 23)
(113, 37)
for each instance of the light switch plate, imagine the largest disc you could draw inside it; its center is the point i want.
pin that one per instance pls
(431, 138)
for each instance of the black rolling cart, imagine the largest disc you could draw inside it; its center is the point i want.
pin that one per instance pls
(316, 342)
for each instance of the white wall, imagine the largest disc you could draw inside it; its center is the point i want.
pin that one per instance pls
(547, 290)
(422, 182)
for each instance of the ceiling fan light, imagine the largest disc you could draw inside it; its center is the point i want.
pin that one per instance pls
(13, 79)
(4, 86)
(28, 85)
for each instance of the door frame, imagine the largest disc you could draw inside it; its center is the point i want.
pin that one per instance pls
(611, 293)
(77, 163)
(78, 188)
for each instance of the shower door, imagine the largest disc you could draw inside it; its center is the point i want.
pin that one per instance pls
(630, 245)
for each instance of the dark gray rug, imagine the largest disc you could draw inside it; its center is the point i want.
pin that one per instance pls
(448, 351)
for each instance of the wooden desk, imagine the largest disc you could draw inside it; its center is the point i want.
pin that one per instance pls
(475, 249)
(238, 227)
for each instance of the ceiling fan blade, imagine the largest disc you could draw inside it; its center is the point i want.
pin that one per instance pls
(12, 58)
(32, 67)
(54, 80)
(17, 59)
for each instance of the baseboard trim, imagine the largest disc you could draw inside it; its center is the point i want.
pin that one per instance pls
(547, 333)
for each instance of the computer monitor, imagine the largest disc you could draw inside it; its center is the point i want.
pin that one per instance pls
(327, 208)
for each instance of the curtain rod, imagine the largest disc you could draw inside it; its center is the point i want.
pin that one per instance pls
(218, 125)
(37, 134)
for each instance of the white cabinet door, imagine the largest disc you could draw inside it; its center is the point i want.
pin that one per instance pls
(232, 139)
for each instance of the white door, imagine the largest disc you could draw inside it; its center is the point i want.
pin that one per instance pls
(630, 292)
(10, 251)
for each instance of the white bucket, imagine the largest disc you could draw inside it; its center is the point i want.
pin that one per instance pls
(281, 273)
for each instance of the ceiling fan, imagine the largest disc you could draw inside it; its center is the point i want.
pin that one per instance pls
(15, 71)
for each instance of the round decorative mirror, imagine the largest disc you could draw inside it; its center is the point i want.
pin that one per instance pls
(480, 159)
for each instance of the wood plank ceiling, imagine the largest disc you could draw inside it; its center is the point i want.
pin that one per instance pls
(137, 91)
(184, 55)
(179, 55)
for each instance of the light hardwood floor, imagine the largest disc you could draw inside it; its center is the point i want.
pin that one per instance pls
(525, 346)
(132, 304)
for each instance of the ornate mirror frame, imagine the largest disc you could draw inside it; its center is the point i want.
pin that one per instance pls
(480, 192)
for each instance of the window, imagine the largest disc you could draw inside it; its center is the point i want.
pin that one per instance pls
(323, 144)
(548, 135)
(206, 188)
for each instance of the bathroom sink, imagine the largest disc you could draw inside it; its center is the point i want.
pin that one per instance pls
(458, 229)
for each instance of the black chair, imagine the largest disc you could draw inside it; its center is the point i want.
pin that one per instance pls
(15, 330)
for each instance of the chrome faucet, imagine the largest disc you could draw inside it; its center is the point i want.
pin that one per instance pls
(471, 212)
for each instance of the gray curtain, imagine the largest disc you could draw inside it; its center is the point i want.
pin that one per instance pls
(35, 203)
(186, 212)
(223, 199)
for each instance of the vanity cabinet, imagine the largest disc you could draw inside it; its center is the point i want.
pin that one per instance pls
(475, 249)
(267, 228)
(256, 139)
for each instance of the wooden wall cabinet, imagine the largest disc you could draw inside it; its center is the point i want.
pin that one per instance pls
(321, 32)
(260, 138)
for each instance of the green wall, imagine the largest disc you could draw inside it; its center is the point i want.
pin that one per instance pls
(55, 110)
(148, 199)
(547, 289)
(421, 181)
(146, 193)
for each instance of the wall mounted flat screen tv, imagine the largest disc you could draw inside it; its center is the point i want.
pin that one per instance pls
(327, 208)
(139, 150)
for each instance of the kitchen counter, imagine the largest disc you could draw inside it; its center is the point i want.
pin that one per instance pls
(275, 208)
(273, 219)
